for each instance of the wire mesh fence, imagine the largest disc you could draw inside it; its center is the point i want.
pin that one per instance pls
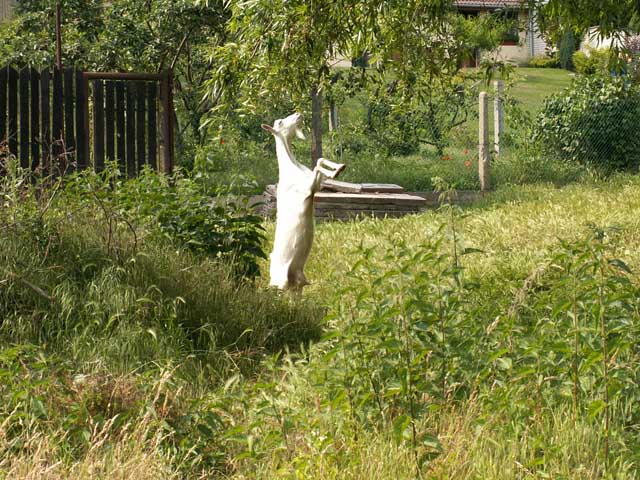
(595, 122)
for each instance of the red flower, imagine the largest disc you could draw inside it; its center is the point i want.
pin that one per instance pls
(467, 164)
(446, 157)
(466, 151)
(221, 141)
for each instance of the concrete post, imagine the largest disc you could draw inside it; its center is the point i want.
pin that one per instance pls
(483, 143)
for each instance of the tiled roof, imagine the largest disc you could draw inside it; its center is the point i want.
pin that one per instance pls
(490, 4)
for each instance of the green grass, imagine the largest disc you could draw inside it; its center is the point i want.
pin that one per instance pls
(118, 341)
(538, 83)
(518, 229)
(137, 302)
(130, 357)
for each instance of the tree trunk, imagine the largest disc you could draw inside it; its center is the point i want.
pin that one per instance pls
(316, 125)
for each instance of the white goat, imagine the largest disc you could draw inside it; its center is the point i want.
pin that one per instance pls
(294, 220)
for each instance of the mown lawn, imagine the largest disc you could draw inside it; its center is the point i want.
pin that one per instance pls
(538, 83)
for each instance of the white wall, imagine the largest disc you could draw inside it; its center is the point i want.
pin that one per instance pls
(515, 53)
(591, 39)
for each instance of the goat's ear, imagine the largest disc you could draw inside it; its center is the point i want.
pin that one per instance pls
(268, 128)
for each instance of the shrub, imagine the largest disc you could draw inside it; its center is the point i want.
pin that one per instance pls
(400, 124)
(544, 61)
(593, 122)
(595, 60)
(182, 209)
(567, 47)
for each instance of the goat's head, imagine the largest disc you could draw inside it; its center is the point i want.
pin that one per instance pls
(287, 127)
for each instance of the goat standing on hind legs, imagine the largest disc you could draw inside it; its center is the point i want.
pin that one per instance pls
(294, 219)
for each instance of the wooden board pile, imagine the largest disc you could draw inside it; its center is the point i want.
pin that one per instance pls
(344, 201)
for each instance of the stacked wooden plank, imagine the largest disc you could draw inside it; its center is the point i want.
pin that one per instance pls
(344, 201)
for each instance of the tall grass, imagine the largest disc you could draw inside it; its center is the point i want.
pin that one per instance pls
(121, 352)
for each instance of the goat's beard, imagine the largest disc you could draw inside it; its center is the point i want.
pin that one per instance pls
(300, 134)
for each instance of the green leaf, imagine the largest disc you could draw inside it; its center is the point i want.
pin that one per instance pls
(400, 428)
(595, 408)
(504, 363)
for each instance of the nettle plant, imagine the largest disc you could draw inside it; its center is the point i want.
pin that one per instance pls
(399, 349)
(182, 209)
(571, 336)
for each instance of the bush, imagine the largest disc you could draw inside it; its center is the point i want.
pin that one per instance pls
(595, 60)
(544, 61)
(593, 122)
(182, 209)
(567, 47)
(400, 124)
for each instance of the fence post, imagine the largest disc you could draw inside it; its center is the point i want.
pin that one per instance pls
(334, 122)
(498, 114)
(167, 121)
(483, 144)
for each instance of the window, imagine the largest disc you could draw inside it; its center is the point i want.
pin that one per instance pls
(509, 18)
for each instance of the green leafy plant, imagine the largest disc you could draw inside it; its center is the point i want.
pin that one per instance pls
(593, 122)
(545, 61)
(180, 208)
(594, 60)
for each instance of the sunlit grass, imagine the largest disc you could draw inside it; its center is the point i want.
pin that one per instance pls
(129, 316)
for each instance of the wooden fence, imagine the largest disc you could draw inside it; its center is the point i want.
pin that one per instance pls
(68, 119)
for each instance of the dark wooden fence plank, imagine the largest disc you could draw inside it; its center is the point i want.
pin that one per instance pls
(44, 118)
(109, 116)
(3, 105)
(69, 129)
(82, 134)
(45, 121)
(57, 117)
(131, 129)
(152, 124)
(24, 81)
(141, 94)
(120, 127)
(12, 122)
(35, 118)
(98, 124)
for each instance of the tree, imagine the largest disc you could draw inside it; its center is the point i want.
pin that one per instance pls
(614, 18)
(285, 49)
(127, 35)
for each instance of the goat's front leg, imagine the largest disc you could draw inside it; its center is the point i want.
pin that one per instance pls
(337, 167)
(321, 172)
(319, 175)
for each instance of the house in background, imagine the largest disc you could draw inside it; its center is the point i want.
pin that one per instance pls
(6, 7)
(523, 41)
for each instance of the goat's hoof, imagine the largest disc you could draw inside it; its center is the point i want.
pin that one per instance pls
(338, 170)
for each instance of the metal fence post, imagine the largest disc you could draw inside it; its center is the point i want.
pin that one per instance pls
(483, 144)
(498, 114)
(167, 121)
